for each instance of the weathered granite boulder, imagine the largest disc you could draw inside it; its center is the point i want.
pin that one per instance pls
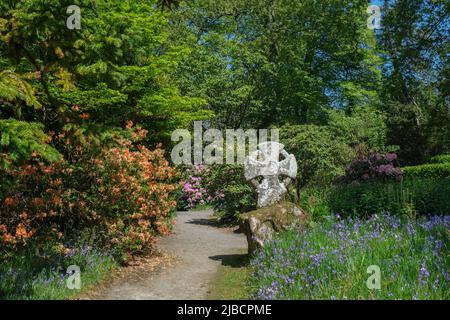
(261, 224)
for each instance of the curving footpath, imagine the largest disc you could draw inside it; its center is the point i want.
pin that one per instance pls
(199, 248)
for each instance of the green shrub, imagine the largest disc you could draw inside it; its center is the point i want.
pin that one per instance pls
(432, 170)
(314, 202)
(430, 196)
(321, 158)
(19, 140)
(443, 158)
(364, 127)
(421, 196)
(231, 193)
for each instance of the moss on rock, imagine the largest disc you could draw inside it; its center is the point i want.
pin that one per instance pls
(262, 224)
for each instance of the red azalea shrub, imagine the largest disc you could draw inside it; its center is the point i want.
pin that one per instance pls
(375, 167)
(123, 194)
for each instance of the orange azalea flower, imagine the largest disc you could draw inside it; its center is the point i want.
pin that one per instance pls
(136, 216)
(52, 213)
(68, 171)
(38, 202)
(129, 124)
(144, 223)
(9, 202)
(42, 215)
(21, 232)
(8, 238)
(163, 230)
(29, 170)
(47, 170)
(24, 215)
(3, 228)
(62, 249)
(84, 116)
(56, 201)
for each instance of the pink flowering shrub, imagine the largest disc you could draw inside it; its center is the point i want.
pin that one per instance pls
(194, 192)
(221, 186)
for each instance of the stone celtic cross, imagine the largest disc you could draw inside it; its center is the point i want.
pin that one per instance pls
(265, 163)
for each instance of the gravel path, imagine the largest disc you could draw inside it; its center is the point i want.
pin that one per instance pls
(199, 248)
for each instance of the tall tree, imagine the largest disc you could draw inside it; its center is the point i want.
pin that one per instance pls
(117, 67)
(278, 61)
(415, 38)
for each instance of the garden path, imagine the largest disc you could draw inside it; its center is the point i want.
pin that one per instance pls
(199, 248)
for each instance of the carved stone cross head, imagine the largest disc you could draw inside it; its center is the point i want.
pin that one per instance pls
(270, 162)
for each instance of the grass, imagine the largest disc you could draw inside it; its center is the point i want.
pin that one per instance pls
(32, 275)
(230, 282)
(331, 260)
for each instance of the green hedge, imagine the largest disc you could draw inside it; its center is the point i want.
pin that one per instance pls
(431, 170)
(421, 196)
(443, 158)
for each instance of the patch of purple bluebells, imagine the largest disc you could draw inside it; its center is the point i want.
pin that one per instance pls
(20, 281)
(414, 257)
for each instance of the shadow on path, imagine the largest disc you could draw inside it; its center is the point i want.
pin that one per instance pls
(232, 260)
(203, 222)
